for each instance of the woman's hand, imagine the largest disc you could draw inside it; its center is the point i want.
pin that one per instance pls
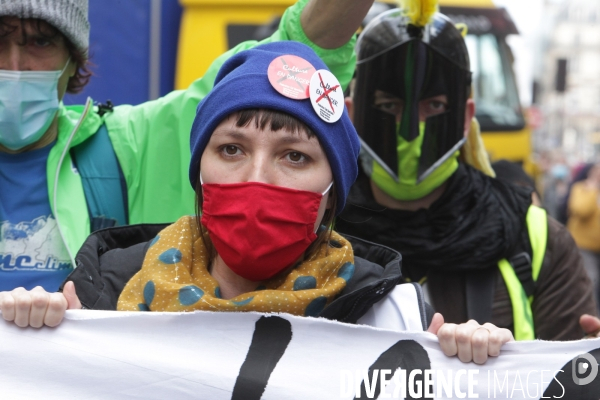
(470, 341)
(37, 307)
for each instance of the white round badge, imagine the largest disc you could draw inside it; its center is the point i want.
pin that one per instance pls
(326, 96)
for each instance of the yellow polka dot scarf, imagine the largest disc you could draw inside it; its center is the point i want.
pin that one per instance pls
(175, 277)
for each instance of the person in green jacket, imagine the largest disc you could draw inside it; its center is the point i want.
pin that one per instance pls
(44, 202)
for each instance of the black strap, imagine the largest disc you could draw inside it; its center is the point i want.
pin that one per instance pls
(521, 263)
(481, 285)
(520, 260)
(480, 288)
(425, 310)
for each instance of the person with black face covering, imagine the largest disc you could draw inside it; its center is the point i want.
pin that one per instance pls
(426, 188)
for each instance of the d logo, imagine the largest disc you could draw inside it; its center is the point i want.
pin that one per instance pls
(581, 365)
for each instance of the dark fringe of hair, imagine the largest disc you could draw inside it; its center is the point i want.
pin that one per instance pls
(276, 120)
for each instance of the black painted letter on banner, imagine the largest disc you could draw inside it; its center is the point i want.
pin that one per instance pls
(405, 354)
(269, 341)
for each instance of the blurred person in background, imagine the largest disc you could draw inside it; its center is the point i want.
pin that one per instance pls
(556, 181)
(513, 173)
(584, 221)
(66, 171)
(578, 174)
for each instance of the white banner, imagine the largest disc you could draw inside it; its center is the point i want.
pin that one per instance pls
(202, 355)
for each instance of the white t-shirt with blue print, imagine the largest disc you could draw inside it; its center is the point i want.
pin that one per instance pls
(32, 252)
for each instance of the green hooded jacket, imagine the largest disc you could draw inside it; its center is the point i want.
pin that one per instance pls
(151, 141)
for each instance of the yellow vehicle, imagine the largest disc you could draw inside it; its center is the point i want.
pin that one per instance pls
(215, 26)
(221, 24)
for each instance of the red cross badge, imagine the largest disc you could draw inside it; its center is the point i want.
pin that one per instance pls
(326, 96)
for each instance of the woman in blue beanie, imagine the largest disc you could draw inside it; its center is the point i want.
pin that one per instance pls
(273, 157)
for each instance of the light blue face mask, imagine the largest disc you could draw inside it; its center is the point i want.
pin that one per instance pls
(28, 104)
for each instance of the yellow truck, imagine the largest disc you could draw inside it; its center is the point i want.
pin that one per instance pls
(218, 25)
(214, 26)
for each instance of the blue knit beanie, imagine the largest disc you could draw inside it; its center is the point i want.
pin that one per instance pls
(242, 83)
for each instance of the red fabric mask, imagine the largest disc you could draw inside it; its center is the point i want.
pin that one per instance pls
(259, 229)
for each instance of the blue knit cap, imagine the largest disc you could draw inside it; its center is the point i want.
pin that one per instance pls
(242, 83)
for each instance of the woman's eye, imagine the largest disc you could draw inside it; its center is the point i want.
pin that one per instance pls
(231, 150)
(296, 157)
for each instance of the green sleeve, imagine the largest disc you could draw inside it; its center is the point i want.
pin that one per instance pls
(151, 140)
(340, 61)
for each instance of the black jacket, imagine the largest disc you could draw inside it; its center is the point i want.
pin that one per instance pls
(563, 292)
(110, 257)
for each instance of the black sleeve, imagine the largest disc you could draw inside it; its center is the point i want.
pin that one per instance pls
(106, 262)
(99, 286)
(429, 311)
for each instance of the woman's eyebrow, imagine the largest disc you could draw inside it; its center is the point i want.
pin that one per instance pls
(299, 137)
(231, 133)
(294, 139)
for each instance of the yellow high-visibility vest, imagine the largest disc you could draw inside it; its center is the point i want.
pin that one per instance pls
(537, 226)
